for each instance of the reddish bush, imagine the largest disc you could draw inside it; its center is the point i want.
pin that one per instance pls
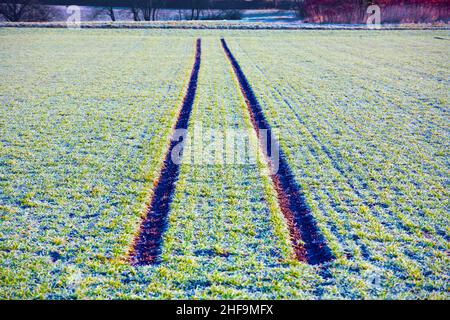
(392, 11)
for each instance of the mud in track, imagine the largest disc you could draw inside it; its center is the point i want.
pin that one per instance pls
(147, 246)
(307, 241)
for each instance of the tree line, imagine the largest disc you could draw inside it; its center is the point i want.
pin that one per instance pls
(317, 11)
(141, 10)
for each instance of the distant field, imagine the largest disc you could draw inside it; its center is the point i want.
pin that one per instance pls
(86, 116)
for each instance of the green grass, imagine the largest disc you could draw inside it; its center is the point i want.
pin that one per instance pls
(86, 117)
(85, 120)
(364, 120)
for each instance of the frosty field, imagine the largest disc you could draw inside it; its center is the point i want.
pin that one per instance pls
(86, 118)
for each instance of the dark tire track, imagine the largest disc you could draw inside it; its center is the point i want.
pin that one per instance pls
(147, 246)
(302, 226)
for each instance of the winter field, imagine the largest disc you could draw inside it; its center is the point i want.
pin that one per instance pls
(362, 119)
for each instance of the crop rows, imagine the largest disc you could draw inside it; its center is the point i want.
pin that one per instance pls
(85, 128)
(84, 119)
(368, 142)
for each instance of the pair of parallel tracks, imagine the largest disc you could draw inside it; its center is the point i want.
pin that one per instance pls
(308, 243)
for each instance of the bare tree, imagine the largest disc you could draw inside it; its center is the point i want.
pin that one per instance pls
(111, 13)
(299, 7)
(147, 9)
(361, 8)
(197, 7)
(134, 7)
(13, 11)
(26, 10)
(101, 12)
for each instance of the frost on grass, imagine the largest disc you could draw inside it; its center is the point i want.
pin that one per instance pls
(365, 117)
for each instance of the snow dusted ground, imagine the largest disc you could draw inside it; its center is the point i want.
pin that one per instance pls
(270, 16)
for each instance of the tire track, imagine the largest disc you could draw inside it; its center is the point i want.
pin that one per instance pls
(147, 245)
(308, 243)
